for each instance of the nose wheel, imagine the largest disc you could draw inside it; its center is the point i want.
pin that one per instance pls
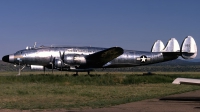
(20, 69)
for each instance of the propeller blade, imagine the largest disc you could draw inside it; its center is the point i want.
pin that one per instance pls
(62, 55)
(52, 62)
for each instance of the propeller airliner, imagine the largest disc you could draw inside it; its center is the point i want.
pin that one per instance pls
(85, 59)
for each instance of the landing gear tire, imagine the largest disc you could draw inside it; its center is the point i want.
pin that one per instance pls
(76, 74)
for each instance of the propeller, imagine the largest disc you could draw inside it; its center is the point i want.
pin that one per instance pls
(52, 62)
(62, 55)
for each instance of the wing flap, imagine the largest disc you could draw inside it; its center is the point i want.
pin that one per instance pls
(100, 58)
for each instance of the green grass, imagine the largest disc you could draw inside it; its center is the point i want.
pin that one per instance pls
(99, 90)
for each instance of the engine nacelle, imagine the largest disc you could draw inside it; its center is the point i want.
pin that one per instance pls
(58, 63)
(74, 59)
(37, 67)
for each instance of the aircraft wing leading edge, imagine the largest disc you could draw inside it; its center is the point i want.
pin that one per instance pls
(100, 58)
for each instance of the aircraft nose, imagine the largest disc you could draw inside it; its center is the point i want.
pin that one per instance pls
(9, 58)
(6, 58)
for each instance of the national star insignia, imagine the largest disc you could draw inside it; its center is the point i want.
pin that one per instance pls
(143, 59)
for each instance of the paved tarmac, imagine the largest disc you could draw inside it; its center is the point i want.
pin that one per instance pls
(185, 102)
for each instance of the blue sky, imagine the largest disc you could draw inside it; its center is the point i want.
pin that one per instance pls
(130, 24)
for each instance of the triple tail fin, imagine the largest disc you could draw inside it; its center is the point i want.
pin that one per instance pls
(188, 49)
(158, 46)
(172, 46)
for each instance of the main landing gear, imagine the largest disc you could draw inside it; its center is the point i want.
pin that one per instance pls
(76, 74)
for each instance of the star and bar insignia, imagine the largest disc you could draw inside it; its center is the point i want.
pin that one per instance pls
(143, 59)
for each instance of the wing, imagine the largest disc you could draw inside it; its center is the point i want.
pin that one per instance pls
(100, 58)
(186, 81)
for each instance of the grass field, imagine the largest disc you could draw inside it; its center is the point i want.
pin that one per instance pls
(34, 90)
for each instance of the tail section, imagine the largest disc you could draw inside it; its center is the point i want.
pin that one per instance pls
(158, 46)
(172, 46)
(188, 49)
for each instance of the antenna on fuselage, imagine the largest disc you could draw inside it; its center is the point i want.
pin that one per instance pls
(35, 44)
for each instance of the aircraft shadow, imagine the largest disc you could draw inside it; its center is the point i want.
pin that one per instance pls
(180, 98)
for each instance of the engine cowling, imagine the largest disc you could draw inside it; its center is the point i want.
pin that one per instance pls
(58, 63)
(74, 59)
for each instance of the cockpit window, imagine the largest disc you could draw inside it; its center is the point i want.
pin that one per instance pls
(19, 52)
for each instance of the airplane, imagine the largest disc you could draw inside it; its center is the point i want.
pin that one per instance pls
(86, 59)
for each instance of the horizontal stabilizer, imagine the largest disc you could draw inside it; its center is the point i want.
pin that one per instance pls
(189, 48)
(158, 46)
(186, 81)
(172, 46)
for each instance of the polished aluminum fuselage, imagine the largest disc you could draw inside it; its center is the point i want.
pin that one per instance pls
(42, 56)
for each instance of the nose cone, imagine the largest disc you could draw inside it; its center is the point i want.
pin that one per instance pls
(6, 58)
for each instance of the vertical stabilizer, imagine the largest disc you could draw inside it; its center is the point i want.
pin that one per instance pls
(189, 48)
(172, 46)
(158, 46)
